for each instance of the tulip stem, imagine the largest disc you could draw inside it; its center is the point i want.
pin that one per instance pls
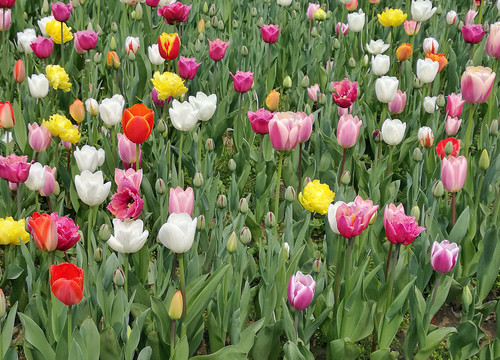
(393, 274)
(179, 167)
(469, 130)
(37, 203)
(125, 269)
(391, 150)
(278, 183)
(6, 255)
(18, 198)
(388, 261)
(297, 324)
(300, 167)
(493, 95)
(62, 42)
(180, 257)
(435, 290)
(342, 166)
(70, 328)
(453, 210)
(50, 259)
(348, 265)
(172, 339)
(480, 17)
(337, 273)
(137, 155)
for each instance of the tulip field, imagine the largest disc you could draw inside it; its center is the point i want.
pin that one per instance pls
(241, 179)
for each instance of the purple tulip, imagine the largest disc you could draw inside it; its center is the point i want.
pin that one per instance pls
(188, 67)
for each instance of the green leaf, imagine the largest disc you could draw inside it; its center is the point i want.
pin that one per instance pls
(292, 352)
(433, 340)
(398, 302)
(35, 336)
(343, 349)
(181, 351)
(110, 349)
(90, 334)
(489, 263)
(7, 330)
(145, 353)
(460, 229)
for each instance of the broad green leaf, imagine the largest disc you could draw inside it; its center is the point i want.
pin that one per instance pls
(489, 263)
(35, 336)
(434, 339)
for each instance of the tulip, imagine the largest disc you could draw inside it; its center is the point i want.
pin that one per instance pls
(66, 283)
(50, 181)
(341, 28)
(36, 177)
(425, 136)
(217, 49)
(188, 67)
(477, 82)
(284, 2)
(453, 172)
(178, 232)
(89, 158)
(430, 45)
(128, 237)
(137, 123)
(473, 33)
(154, 55)
(181, 201)
(393, 131)
(43, 229)
(42, 47)
(169, 45)
(356, 21)
(24, 40)
(392, 17)
(129, 178)
(92, 106)
(156, 101)
(332, 216)
(444, 256)
(284, 129)
(269, 33)
(259, 120)
(400, 228)
(85, 40)
(174, 13)
(316, 197)
(77, 111)
(430, 104)
(305, 127)
(352, 218)
(111, 109)
(348, 130)
(412, 27)
(176, 306)
(377, 47)
(300, 292)
(91, 187)
(386, 88)
(455, 146)
(427, 70)
(61, 11)
(206, 105)
(452, 125)
(353, 5)
(471, 14)
(127, 149)
(439, 58)
(113, 60)
(404, 52)
(243, 81)
(311, 9)
(380, 64)
(42, 24)
(67, 232)
(58, 77)
(345, 92)
(168, 85)
(451, 17)
(38, 85)
(272, 100)
(11, 231)
(313, 92)
(152, 3)
(7, 4)
(132, 44)
(397, 105)
(493, 41)
(7, 119)
(14, 168)
(422, 10)
(19, 71)
(184, 116)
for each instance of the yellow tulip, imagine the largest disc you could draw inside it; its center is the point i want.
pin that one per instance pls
(168, 84)
(316, 197)
(11, 231)
(58, 78)
(392, 17)
(61, 126)
(53, 29)
(176, 306)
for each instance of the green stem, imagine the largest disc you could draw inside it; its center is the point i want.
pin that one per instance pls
(70, 328)
(18, 198)
(348, 265)
(200, 144)
(296, 325)
(113, 143)
(393, 274)
(51, 257)
(493, 93)
(480, 17)
(391, 150)
(6, 255)
(125, 269)
(137, 155)
(62, 44)
(278, 183)
(180, 257)
(37, 203)
(179, 167)
(172, 339)
(337, 273)
(453, 209)
(388, 260)
(469, 130)
(434, 292)
(342, 166)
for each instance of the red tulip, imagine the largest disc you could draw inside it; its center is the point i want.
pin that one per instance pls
(174, 13)
(7, 4)
(42, 47)
(345, 92)
(66, 283)
(169, 45)
(43, 229)
(441, 145)
(138, 122)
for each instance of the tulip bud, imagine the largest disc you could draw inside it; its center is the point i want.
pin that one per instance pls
(132, 14)
(210, 144)
(270, 220)
(45, 7)
(131, 56)
(198, 179)
(112, 44)
(305, 82)
(19, 71)
(336, 44)
(212, 10)
(286, 249)
(296, 6)
(260, 22)
(201, 37)
(25, 16)
(484, 160)
(417, 154)
(287, 82)
(417, 84)
(176, 306)
(439, 10)
(98, 255)
(376, 135)
(221, 201)
(82, 2)
(317, 265)
(161, 127)
(441, 101)
(220, 25)
(352, 62)
(366, 60)
(200, 223)
(346, 177)
(466, 298)
(3, 305)
(232, 243)
(306, 181)
(104, 232)
(290, 194)
(57, 189)
(97, 58)
(160, 186)
(205, 7)
(197, 45)
(114, 28)
(119, 277)
(138, 11)
(460, 25)
(314, 32)
(307, 109)
(235, 24)
(448, 149)
(243, 206)
(244, 50)
(373, 218)
(415, 212)
(329, 14)
(231, 165)
(494, 127)
(245, 235)
(322, 99)
(438, 189)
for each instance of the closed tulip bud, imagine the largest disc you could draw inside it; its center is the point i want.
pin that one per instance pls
(132, 14)
(307, 109)
(439, 10)
(200, 222)
(214, 21)
(235, 24)
(417, 84)
(305, 82)
(231, 165)
(245, 235)
(3, 305)
(210, 144)
(366, 60)
(253, 11)
(212, 11)
(244, 50)
(205, 7)
(287, 82)
(352, 62)
(176, 306)
(243, 206)
(45, 7)
(119, 277)
(97, 58)
(425, 136)
(494, 127)
(160, 186)
(466, 298)
(438, 189)
(138, 11)
(441, 101)
(319, 15)
(314, 32)
(322, 99)
(286, 249)
(270, 220)
(376, 135)
(221, 201)
(260, 22)
(317, 265)
(161, 127)
(448, 149)
(104, 232)
(198, 179)
(98, 255)
(232, 243)
(57, 189)
(346, 177)
(290, 194)
(220, 25)
(19, 71)
(114, 28)
(415, 212)
(417, 155)
(484, 160)
(131, 56)
(336, 44)
(112, 44)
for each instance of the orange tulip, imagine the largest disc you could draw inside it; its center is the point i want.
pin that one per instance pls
(43, 229)
(440, 58)
(272, 100)
(404, 51)
(112, 59)
(138, 122)
(169, 45)
(19, 71)
(77, 111)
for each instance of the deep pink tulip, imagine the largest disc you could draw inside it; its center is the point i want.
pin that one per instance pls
(444, 256)
(452, 125)
(61, 11)
(181, 201)
(311, 9)
(50, 181)
(7, 4)
(174, 13)
(128, 177)
(454, 105)
(156, 101)
(284, 130)
(453, 172)
(14, 168)
(188, 67)
(126, 203)
(313, 91)
(400, 228)
(127, 149)
(345, 92)
(42, 47)
(305, 126)
(39, 137)
(493, 41)
(476, 83)
(397, 105)
(348, 130)
(341, 28)
(300, 292)
(269, 33)
(8, 19)
(85, 40)
(473, 33)
(354, 217)
(152, 3)
(259, 120)
(217, 49)
(67, 232)
(243, 80)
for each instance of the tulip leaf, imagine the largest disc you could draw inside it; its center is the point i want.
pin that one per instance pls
(433, 340)
(398, 302)
(267, 343)
(20, 126)
(145, 353)
(90, 335)
(464, 344)
(489, 263)
(35, 336)
(458, 232)
(343, 349)
(110, 349)
(292, 351)
(6, 331)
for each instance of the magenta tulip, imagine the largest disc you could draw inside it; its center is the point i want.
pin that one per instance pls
(269, 33)
(152, 3)
(476, 83)
(175, 12)
(300, 292)
(217, 49)
(400, 228)
(259, 120)
(397, 105)
(50, 181)
(67, 232)
(341, 28)
(7, 4)
(14, 168)
(85, 40)
(39, 137)
(243, 81)
(453, 172)
(188, 67)
(284, 130)
(348, 130)
(455, 105)
(181, 201)
(493, 41)
(345, 92)
(8, 18)
(126, 203)
(452, 125)
(61, 11)
(354, 217)
(444, 256)
(473, 33)
(42, 47)
(156, 101)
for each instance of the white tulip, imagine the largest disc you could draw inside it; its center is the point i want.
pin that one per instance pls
(430, 45)
(381, 64)
(386, 88)
(422, 10)
(129, 236)
(356, 21)
(111, 109)
(154, 55)
(42, 23)
(36, 177)
(183, 115)
(451, 17)
(393, 131)
(332, 216)
(178, 232)
(430, 104)
(24, 40)
(427, 70)
(206, 105)
(377, 47)
(89, 158)
(91, 187)
(284, 2)
(92, 106)
(38, 85)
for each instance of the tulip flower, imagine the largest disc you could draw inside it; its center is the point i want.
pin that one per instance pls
(451, 17)
(67, 232)
(176, 306)
(77, 111)
(181, 201)
(348, 130)
(206, 105)
(439, 58)
(36, 177)
(430, 45)
(313, 92)
(427, 70)
(392, 17)
(493, 41)
(422, 10)
(168, 85)
(19, 71)
(430, 104)
(174, 13)
(476, 83)
(356, 21)
(400, 228)
(113, 60)
(397, 105)
(14, 168)
(188, 67)
(58, 78)
(184, 116)
(177, 234)
(444, 256)
(269, 33)
(91, 187)
(471, 14)
(243, 80)
(404, 52)
(156, 101)
(453, 172)
(284, 130)
(345, 92)
(154, 55)
(11, 231)
(66, 283)
(305, 127)
(132, 44)
(217, 49)
(7, 4)
(316, 197)
(259, 120)
(24, 40)
(43, 229)
(137, 123)
(53, 29)
(455, 105)
(111, 109)
(89, 158)
(300, 292)
(377, 47)
(85, 40)
(42, 47)
(128, 237)
(61, 126)
(452, 125)
(273, 100)
(169, 45)
(412, 27)
(92, 106)
(61, 11)
(332, 216)
(127, 149)
(473, 33)
(353, 5)
(7, 119)
(311, 9)
(393, 131)
(341, 28)
(42, 24)
(386, 88)
(425, 136)
(352, 218)
(38, 86)
(152, 3)
(50, 181)
(380, 64)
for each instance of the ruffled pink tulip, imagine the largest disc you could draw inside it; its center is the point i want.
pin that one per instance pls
(128, 177)
(85, 40)
(269, 33)
(174, 13)
(259, 120)
(42, 47)
(345, 92)
(311, 9)
(284, 129)
(8, 19)
(188, 67)
(126, 203)
(454, 105)
(300, 292)
(453, 172)
(341, 28)
(61, 11)
(127, 149)
(444, 256)
(313, 91)
(67, 232)
(354, 217)
(14, 168)
(50, 181)
(476, 83)
(217, 49)
(397, 105)
(473, 33)
(400, 228)
(452, 125)
(181, 201)
(493, 41)
(39, 137)
(243, 81)
(348, 130)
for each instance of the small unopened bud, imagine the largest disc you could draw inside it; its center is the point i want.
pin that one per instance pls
(484, 160)
(373, 218)
(3, 305)
(201, 37)
(232, 243)
(352, 62)
(466, 298)
(417, 154)
(212, 10)
(235, 24)
(138, 11)
(270, 220)
(366, 60)
(197, 45)
(244, 50)
(469, 63)
(260, 22)
(494, 127)
(307, 109)
(314, 32)
(243, 206)
(448, 149)
(245, 235)
(220, 25)
(306, 181)
(205, 7)
(131, 56)
(317, 265)
(161, 127)
(296, 6)
(112, 44)
(198, 179)
(336, 44)
(119, 277)
(305, 82)
(286, 249)
(287, 82)
(210, 144)
(290, 194)
(439, 10)
(253, 11)
(415, 212)
(376, 135)
(231, 165)
(160, 186)
(441, 100)
(104, 232)
(114, 28)
(346, 177)
(322, 99)
(45, 7)
(200, 223)
(417, 84)
(176, 306)
(438, 189)
(98, 255)
(57, 189)
(221, 201)
(201, 26)
(97, 58)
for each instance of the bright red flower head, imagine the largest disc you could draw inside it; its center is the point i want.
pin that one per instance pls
(138, 122)
(169, 45)
(345, 92)
(442, 144)
(7, 4)
(174, 13)
(66, 283)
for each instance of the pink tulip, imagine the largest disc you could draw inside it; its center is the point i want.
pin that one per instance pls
(345, 92)
(259, 120)
(341, 28)
(14, 168)
(128, 177)
(127, 149)
(452, 125)
(67, 232)
(300, 292)
(411, 27)
(455, 105)
(156, 101)
(126, 203)
(348, 130)
(42, 47)
(473, 33)
(8, 18)
(397, 105)
(39, 137)
(313, 91)
(493, 41)
(354, 217)
(85, 40)
(344, 111)
(400, 228)
(476, 83)
(174, 13)
(50, 181)
(61, 11)
(188, 67)
(284, 130)
(453, 172)
(181, 201)
(353, 5)
(243, 81)
(217, 49)
(311, 9)
(471, 14)
(305, 127)
(269, 33)
(152, 3)
(444, 256)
